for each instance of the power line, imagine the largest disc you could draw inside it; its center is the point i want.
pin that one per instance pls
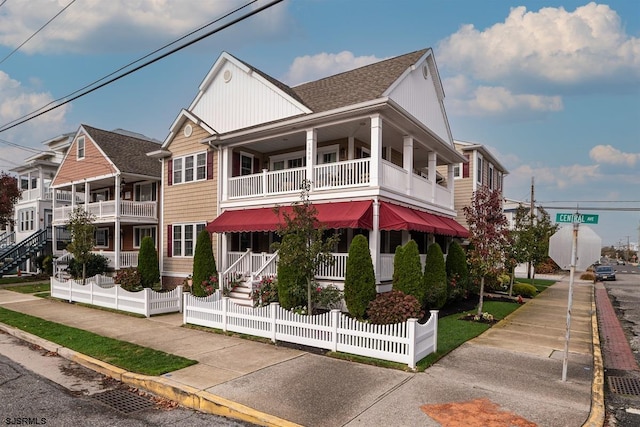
(171, 52)
(37, 31)
(128, 65)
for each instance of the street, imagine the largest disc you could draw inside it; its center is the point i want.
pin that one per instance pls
(61, 392)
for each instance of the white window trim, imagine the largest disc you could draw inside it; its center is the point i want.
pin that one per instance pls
(106, 231)
(491, 182)
(285, 157)
(459, 174)
(250, 156)
(137, 185)
(183, 169)
(182, 240)
(146, 227)
(326, 150)
(81, 140)
(479, 169)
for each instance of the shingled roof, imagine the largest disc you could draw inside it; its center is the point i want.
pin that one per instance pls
(355, 86)
(128, 153)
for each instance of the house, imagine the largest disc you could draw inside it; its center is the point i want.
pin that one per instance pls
(480, 168)
(109, 174)
(33, 215)
(369, 141)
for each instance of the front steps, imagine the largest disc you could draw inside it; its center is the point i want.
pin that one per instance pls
(241, 295)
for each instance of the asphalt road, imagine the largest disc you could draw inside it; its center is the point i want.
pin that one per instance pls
(62, 393)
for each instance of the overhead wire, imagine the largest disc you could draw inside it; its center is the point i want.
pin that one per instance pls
(37, 31)
(38, 112)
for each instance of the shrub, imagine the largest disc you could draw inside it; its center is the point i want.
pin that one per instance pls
(359, 281)
(292, 284)
(266, 292)
(434, 279)
(548, 266)
(457, 272)
(407, 271)
(148, 263)
(329, 297)
(524, 289)
(210, 285)
(394, 307)
(47, 265)
(129, 279)
(588, 275)
(96, 264)
(204, 264)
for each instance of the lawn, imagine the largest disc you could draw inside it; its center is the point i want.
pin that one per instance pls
(540, 284)
(30, 288)
(125, 355)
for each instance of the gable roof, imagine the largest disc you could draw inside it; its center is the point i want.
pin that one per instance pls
(128, 153)
(355, 86)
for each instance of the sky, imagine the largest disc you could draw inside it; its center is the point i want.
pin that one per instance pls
(551, 88)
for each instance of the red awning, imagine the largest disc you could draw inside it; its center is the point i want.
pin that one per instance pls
(395, 217)
(357, 214)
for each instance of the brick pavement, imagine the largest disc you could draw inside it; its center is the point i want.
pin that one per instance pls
(616, 349)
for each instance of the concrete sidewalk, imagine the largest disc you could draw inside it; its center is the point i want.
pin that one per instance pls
(511, 373)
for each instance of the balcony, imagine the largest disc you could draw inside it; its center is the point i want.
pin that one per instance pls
(61, 196)
(105, 211)
(345, 175)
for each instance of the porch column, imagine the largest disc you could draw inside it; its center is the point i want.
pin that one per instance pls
(222, 257)
(433, 160)
(451, 184)
(311, 150)
(376, 149)
(116, 231)
(54, 243)
(226, 156)
(73, 196)
(41, 183)
(407, 161)
(374, 241)
(87, 194)
(351, 151)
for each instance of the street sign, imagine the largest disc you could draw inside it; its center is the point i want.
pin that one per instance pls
(588, 250)
(577, 218)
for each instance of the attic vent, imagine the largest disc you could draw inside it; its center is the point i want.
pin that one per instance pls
(425, 71)
(188, 130)
(227, 76)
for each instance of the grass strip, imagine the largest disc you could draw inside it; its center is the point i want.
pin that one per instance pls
(30, 289)
(22, 279)
(540, 284)
(125, 355)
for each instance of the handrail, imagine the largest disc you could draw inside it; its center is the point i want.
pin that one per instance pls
(266, 266)
(223, 278)
(19, 252)
(7, 238)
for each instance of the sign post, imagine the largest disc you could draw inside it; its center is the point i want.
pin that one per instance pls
(557, 251)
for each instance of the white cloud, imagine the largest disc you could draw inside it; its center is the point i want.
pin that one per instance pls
(549, 47)
(611, 155)
(561, 178)
(91, 26)
(308, 68)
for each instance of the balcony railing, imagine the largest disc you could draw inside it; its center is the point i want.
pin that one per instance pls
(339, 175)
(127, 258)
(106, 210)
(61, 196)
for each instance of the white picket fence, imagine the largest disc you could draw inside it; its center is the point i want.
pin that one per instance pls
(101, 291)
(406, 342)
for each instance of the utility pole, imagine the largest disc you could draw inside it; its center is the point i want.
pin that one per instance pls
(531, 211)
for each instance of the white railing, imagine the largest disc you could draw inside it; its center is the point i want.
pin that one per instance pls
(101, 292)
(393, 176)
(107, 209)
(284, 181)
(443, 196)
(386, 267)
(351, 173)
(127, 258)
(421, 186)
(335, 270)
(406, 342)
(138, 209)
(240, 268)
(245, 186)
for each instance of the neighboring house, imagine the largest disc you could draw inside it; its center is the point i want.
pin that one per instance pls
(369, 141)
(480, 169)
(33, 211)
(109, 174)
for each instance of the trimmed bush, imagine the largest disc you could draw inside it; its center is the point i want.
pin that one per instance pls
(96, 264)
(457, 272)
(148, 263)
(47, 265)
(292, 284)
(129, 279)
(588, 275)
(434, 279)
(394, 307)
(525, 290)
(407, 271)
(204, 264)
(359, 280)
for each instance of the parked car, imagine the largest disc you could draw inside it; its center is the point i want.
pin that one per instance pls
(605, 272)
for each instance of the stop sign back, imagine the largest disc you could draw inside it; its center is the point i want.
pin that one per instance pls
(588, 247)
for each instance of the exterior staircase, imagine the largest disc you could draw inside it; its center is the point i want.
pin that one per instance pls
(245, 273)
(16, 254)
(241, 294)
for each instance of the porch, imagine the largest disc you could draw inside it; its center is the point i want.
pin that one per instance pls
(108, 210)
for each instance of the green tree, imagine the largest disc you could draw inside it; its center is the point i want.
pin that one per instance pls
(434, 280)
(359, 280)
(457, 272)
(488, 235)
(82, 230)
(204, 264)
(407, 271)
(9, 195)
(307, 246)
(148, 263)
(291, 281)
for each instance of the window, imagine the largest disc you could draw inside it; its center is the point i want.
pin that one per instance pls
(145, 192)
(100, 195)
(246, 164)
(184, 238)
(140, 233)
(102, 237)
(328, 154)
(26, 220)
(24, 183)
(491, 176)
(457, 170)
(190, 168)
(80, 148)
(479, 169)
(288, 161)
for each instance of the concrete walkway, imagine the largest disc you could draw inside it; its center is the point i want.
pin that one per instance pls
(510, 375)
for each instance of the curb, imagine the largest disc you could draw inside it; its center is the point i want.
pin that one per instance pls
(597, 414)
(184, 395)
